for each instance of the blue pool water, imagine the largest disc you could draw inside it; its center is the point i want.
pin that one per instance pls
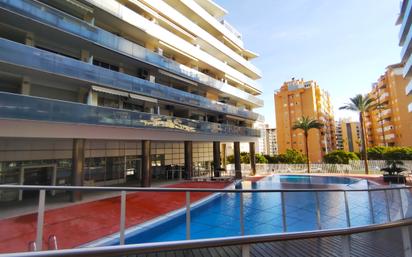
(219, 217)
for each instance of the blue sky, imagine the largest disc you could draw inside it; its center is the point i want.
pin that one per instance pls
(344, 45)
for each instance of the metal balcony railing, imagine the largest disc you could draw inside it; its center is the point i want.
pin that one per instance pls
(388, 202)
(52, 17)
(32, 58)
(14, 106)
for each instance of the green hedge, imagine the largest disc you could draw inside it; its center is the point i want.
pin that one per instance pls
(291, 156)
(339, 157)
(245, 158)
(389, 153)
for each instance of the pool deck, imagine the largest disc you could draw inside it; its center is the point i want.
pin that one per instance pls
(362, 245)
(81, 223)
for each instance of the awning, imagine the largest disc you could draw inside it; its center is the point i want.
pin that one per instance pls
(80, 5)
(177, 77)
(110, 91)
(143, 98)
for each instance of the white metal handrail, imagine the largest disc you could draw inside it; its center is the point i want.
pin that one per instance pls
(42, 197)
(215, 242)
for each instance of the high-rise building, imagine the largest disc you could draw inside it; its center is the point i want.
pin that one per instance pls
(297, 98)
(271, 142)
(348, 135)
(390, 123)
(261, 142)
(405, 41)
(103, 92)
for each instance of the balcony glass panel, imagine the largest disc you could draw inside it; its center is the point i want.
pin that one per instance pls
(14, 106)
(67, 23)
(33, 58)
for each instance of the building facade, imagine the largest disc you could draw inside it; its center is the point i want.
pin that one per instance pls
(107, 92)
(297, 98)
(261, 144)
(271, 142)
(390, 123)
(405, 41)
(348, 136)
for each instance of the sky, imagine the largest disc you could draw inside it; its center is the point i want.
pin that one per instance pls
(344, 45)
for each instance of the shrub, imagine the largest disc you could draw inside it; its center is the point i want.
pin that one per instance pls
(260, 158)
(390, 153)
(376, 152)
(398, 153)
(339, 157)
(245, 158)
(292, 156)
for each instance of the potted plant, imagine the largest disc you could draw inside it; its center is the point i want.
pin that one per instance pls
(392, 170)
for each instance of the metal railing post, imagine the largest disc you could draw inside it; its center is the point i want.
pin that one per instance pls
(371, 207)
(40, 220)
(318, 211)
(282, 196)
(245, 250)
(242, 222)
(401, 205)
(406, 240)
(187, 215)
(388, 210)
(347, 209)
(122, 217)
(345, 240)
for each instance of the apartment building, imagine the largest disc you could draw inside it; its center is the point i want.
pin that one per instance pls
(110, 92)
(348, 135)
(297, 98)
(271, 142)
(405, 41)
(390, 123)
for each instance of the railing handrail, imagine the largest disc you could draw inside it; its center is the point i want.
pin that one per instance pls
(211, 190)
(205, 243)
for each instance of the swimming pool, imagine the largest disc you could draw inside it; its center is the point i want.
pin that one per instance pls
(220, 215)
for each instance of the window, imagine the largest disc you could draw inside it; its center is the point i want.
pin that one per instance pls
(108, 102)
(105, 65)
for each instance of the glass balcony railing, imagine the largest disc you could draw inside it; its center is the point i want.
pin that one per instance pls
(52, 17)
(407, 20)
(14, 106)
(32, 58)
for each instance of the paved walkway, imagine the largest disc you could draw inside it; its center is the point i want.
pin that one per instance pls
(85, 222)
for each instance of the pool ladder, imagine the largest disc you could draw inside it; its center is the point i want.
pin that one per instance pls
(51, 244)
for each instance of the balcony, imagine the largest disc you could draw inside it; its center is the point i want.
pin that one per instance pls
(232, 29)
(114, 10)
(407, 20)
(20, 107)
(68, 24)
(408, 89)
(386, 112)
(32, 58)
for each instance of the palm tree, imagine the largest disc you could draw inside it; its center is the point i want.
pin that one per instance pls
(305, 124)
(361, 104)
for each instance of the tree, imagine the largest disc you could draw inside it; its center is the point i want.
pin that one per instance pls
(306, 124)
(361, 104)
(291, 156)
(339, 157)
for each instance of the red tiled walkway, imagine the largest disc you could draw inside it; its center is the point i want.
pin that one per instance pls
(85, 222)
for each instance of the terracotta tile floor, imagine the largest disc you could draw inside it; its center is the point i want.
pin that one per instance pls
(85, 222)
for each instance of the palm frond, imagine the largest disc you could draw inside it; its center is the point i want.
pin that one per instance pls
(307, 123)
